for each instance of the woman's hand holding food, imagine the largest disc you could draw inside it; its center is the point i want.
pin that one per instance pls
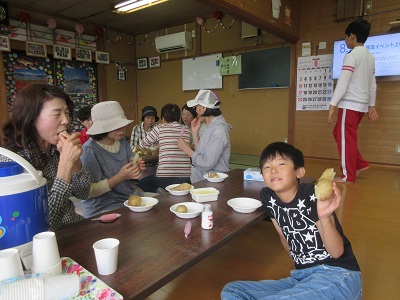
(140, 162)
(129, 171)
(70, 150)
(195, 125)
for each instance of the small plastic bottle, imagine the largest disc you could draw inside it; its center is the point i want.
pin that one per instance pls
(207, 221)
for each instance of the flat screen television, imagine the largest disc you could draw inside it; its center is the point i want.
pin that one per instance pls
(385, 48)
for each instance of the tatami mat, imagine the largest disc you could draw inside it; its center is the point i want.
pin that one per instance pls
(243, 161)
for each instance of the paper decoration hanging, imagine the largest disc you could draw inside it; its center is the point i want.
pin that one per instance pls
(230, 65)
(120, 67)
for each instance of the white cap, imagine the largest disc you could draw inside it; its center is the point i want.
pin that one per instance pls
(205, 98)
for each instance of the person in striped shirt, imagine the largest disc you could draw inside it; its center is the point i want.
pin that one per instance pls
(174, 165)
(354, 95)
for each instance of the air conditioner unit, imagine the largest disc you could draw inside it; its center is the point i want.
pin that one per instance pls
(249, 31)
(174, 42)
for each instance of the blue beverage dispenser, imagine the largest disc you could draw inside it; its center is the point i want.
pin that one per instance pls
(23, 203)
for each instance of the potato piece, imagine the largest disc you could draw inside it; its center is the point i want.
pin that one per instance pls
(323, 190)
(181, 209)
(135, 200)
(324, 187)
(182, 187)
(213, 175)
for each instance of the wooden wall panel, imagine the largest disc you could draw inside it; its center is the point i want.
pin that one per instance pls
(259, 14)
(349, 8)
(313, 134)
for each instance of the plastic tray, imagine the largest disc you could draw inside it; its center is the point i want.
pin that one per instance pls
(206, 197)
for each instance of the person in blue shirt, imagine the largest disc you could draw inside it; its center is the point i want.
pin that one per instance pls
(108, 158)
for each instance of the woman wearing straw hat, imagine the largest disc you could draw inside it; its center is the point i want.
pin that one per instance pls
(108, 158)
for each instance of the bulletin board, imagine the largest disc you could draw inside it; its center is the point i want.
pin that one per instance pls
(268, 68)
(201, 73)
(77, 79)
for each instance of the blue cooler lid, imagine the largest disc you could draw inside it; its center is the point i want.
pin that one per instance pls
(10, 169)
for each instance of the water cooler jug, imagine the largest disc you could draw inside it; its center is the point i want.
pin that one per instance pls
(23, 204)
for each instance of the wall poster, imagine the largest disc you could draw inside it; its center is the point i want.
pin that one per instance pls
(314, 87)
(77, 79)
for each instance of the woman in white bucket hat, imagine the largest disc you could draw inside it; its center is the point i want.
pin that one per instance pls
(213, 150)
(108, 158)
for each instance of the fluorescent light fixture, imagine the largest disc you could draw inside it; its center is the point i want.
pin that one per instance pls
(127, 7)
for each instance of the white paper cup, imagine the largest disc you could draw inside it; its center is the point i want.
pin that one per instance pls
(63, 286)
(106, 252)
(55, 270)
(45, 254)
(29, 288)
(10, 264)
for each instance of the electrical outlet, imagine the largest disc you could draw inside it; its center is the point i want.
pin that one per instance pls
(368, 6)
(285, 140)
(322, 45)
(306, 49)
(193, 33)
(397, 149)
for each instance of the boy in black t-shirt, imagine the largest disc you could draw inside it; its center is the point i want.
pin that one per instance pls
(325, 266)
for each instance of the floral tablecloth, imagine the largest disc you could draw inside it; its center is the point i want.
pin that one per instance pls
(91, 286)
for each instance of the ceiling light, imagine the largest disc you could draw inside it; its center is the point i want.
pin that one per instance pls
(127, 7)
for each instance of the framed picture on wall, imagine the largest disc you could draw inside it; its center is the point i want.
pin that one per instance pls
(154, 62)
(142, 63)
(61, 52)
(35, 49)
(5, 43)
(83, 55)
(102, 57)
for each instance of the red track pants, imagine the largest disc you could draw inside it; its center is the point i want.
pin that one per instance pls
(345, 134)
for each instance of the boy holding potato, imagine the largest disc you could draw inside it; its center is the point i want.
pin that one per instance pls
(325, 266)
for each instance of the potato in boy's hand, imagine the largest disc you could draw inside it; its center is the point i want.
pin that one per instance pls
(324, 186)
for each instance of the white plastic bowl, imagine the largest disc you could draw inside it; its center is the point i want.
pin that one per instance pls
(147, 204)
(244, 205)
(221, 177)
(178, 193)
(204, 194)
(194, 209)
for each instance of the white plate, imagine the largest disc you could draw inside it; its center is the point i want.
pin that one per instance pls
(244, 205)
(204, 194)
(147, 204)
(178, 193)
(221, 177)
(194, 209)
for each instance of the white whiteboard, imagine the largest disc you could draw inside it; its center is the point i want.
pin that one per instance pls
(201, 73)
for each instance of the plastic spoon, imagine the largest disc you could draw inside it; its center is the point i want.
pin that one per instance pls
(188, 228)
(107, 218)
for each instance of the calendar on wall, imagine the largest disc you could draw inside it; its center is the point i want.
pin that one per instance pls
(314, 88)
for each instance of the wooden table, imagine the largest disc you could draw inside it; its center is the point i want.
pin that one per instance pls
(153, 249)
